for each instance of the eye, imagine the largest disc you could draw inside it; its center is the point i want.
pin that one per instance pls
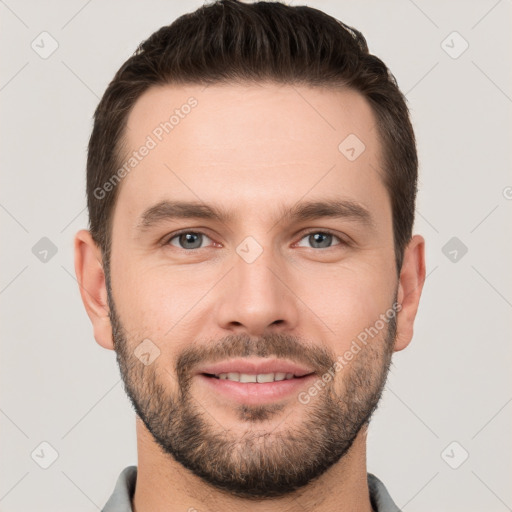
(188, 240)
(320, 239)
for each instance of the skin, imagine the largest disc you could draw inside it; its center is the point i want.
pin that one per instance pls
(256, 150)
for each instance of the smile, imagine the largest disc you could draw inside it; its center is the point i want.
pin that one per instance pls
(247, 377)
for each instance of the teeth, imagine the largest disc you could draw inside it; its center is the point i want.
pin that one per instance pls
(245, 377)
(261, 377)
(265, 377)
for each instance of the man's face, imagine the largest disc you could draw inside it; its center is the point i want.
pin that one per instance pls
(276, 279)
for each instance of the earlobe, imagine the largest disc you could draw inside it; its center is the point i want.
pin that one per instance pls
(91, 279)
(412, 278)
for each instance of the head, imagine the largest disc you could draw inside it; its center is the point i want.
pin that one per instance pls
(251, 182)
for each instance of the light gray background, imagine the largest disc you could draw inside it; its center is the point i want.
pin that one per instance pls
(453, 383)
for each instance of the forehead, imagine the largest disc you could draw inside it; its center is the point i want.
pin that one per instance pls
(252, 144)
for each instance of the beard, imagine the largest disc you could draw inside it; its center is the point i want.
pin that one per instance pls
(260, 462)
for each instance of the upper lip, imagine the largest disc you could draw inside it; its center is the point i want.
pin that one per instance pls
(255, 367)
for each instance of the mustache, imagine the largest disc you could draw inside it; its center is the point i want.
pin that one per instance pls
(277, 345)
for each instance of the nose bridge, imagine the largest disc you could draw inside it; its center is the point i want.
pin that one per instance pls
(255, 296)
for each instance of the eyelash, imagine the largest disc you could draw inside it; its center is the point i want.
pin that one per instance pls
(342, 242)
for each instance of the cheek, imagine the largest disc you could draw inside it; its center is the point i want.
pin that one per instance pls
(348, 301)
(156, 300)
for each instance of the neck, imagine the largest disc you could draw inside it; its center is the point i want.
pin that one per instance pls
(164, 485)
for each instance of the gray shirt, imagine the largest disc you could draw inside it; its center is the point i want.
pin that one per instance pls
(121, 498)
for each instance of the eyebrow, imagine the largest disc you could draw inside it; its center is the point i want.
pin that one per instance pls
(303, 211)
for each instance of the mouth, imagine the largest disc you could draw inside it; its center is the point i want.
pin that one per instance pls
(260, 378)
(255, 370)
(255, 381)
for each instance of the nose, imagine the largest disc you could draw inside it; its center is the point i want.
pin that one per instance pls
(257, 297)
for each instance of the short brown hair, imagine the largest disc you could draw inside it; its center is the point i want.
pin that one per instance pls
(232, 42)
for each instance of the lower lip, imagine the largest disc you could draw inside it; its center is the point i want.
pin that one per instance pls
(253, 393)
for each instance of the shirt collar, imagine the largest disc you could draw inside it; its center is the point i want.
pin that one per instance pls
(120, 500)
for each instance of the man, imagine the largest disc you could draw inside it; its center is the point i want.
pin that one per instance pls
(251, 185)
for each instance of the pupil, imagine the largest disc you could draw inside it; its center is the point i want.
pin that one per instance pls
(190, 240)
(322, 239)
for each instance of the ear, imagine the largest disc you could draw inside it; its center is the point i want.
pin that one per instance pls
(412, 277)
(91, 279)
